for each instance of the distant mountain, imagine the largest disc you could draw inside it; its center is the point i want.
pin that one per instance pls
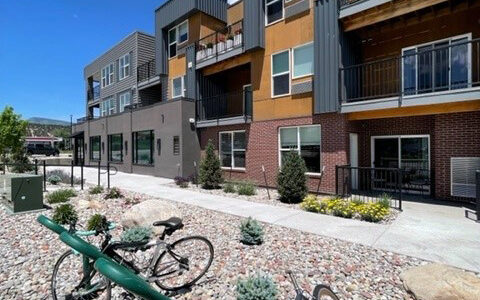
(45, 121)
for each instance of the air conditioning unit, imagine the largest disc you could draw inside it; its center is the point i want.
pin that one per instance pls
(21, 192)
(463, 176)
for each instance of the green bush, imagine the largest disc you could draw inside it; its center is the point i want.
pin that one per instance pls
(251, 231)
(98, 189)
(181, 181)
(256, 288)
(384, 200)
(97, 222)
(229, 187)
(64, 176)
(137, 234)
(291, 180)
(65, 214)
(373, 212)
(312, 204)
(54, 179)
(210, 174)
(114, 193)
(246, 188)
(21, 162)
(60, 196)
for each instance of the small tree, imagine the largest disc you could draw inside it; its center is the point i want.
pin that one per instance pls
(210, 171)
(12, 133)
(291, 180)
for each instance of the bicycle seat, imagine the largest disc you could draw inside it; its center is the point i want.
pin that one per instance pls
(171, 224)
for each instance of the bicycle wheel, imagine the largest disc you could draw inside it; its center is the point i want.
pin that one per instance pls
(67, 280)
(322, 292)
(183, 263)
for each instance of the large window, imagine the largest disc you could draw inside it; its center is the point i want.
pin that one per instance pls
(306, 140)
(437, 66)
(95, 148)
(124, 65)
(143, 147)
(115, 153)
(178, 87)
(182, 32)
(177, 35)
(303, 60)
(281, 73)
(232, 149)
(107, 75)
(274, 11)
(108, 107)
(124, 100)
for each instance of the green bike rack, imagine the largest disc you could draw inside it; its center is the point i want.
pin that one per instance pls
(50, 224)
(81, 246)
(127, 279)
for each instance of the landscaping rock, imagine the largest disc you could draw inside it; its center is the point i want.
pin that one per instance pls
(83, 204)
(94, 204)
(148, 212)
(441, 282)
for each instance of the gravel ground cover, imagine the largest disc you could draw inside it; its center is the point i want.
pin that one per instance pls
(29, 252)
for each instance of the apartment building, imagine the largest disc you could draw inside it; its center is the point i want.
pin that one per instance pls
(365, 83)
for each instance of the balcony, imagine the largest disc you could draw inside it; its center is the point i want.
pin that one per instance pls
(225, 109)
(437, 73)
(220, 45)
(146, 75)
(93, 93)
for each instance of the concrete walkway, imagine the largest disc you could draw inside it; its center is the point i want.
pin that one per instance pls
(433, 232)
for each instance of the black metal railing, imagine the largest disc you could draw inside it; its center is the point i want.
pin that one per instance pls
(343, 3)
(219, 42)
(93, 93)
(223, 106)
(370, 184)
(436, 69)
(146, 71)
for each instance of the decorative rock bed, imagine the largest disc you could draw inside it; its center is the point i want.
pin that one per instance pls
(29, 252)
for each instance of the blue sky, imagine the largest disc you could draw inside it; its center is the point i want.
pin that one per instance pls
(45, 44)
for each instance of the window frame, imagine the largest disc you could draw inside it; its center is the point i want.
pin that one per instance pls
(121, 108)
(99, 148)
(110, 109)
(266, 12)
(298, 148)
(121, 68)
(283, 73)
(178, 33)
(177, 38)
(171, 43)
(109, 148)
(182, 79)
(232, 151)
(293, 61)
(135, 148)
(107, 78)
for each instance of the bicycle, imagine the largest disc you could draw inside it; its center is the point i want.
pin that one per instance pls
(320, 291)
(172, 267)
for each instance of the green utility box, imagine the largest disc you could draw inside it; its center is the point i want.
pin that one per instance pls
(21, 192)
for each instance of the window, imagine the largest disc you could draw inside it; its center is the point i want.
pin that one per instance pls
(306, 140)
(182, 32)
(124, 63)
(274, 11)
(124, 100)
(108, 107)
(178, 87)
(177, 35)
(95, 147)
(176, 145)
(281, 74)
(303, 60)
(107, 75)
(232, 149)
(437, 66)
(143, 147)
(115, 142)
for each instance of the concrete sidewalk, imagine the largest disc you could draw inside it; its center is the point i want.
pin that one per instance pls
(433, 232)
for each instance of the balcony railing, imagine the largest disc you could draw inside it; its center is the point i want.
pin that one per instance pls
(93, 93)
(422, 70)
(344, 3)
(146, 71)
(236, 104)
(222, 41)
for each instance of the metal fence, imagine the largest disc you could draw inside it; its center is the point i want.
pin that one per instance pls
(227, 105)
(343, 3)
(369, 184)
(146, 70)
(219, 42)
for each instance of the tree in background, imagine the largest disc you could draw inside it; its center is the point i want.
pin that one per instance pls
(64, 133)
(291, 180)
(12, 133)
(210, 171)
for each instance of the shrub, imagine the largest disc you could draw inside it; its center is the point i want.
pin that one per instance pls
(60, 196)
(97, 222)
(181, 181)
(54, 179)
(384, 200)
(246, 188)
(340, 207)
(256, 288)
(114, 193)
(252, 232)
(373, 212)
(229, 187)
(210, 174)
(64, 176)
(291, 180)
(312, 204)
(21, 162)
(137, 234)
(65, 214)
(98, 189)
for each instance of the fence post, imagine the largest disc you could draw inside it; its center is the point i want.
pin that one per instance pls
(4, 167)
(36, 166)
(108, 175)
(196, 172)
(44, 176)
(400, 175)
(266, 183)
(98, 181)
(81, 175)
(478, 194)
(336, 180)
(71, 174)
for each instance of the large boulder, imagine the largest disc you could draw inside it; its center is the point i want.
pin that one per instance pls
(148, 212)
(441, 282)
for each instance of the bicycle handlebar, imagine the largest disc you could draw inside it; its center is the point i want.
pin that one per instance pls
(111, 226)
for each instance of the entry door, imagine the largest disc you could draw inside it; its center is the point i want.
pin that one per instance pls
(354, 159)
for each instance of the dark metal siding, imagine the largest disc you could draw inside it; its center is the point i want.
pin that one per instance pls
(191, 73)
(254, 24)
(326, 56)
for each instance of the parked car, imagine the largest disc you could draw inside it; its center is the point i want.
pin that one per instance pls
(44, 149)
